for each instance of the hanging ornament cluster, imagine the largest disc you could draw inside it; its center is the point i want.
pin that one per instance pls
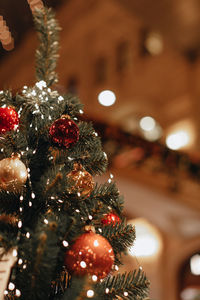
(13, 174)
(110, 219)
(64, 132)
(83, 181)
(5, 35)
(90, 254)
(9, 119)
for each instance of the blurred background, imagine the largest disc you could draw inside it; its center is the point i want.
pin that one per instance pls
(136, 67)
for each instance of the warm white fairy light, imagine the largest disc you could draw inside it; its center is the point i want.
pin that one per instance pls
(32, 195)
(11, 286)
(77, 210)
(5, 293)
(107, 290)
(125, 294)
(65, 243)
(41, 84)
(30, 204)
(14, 253)
(105, 155)
(111, 175)
(94, 278)
(90, 217)
(80, 111)
(90, 293)
(28, 235)
(20, 261)
(60, 201)
(100, 230)
(20, 224)
(24, 267)
(78, 194)
(83, 264)
(46, 221)
(109, 180)
(20, 209)
(17, 293)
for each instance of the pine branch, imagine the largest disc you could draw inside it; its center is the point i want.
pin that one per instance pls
(47, 53)
(108, 194)
(120, 236)
(133, 285)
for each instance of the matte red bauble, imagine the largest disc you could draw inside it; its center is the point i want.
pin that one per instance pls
(110, 218)
(9, 119)
(64, 132)
(90, 254)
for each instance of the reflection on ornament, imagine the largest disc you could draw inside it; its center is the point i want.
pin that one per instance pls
(110, 218)
(9, 119)
(83, 181)
(64, 132)
(90, 254)
(13, 174)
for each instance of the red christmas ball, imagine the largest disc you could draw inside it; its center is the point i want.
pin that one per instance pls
(110, 218)
(9, 119)
(64, 132)
(90, 254)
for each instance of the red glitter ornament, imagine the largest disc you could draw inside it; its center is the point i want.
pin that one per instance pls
(64, 132)
(9, 119)
(110, 218)
(90, 254)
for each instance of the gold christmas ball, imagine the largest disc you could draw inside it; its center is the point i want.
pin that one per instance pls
(83, 181)
(13, 174)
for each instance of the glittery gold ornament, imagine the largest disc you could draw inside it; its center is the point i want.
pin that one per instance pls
(13, 174)
(83, 181)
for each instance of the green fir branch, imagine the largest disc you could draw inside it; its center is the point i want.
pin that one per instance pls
(120, 236)
(133, 285)
(47, 53)
(108, 193)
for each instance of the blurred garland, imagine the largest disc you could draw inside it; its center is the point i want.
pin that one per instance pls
(125, 149)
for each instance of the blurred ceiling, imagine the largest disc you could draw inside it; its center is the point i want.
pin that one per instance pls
(179, 20)
(19, 18)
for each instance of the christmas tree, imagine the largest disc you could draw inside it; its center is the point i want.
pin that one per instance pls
(61, 234)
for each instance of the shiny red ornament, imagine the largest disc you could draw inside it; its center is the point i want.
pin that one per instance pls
(9, 119)
(64, 132)
(91, 254)
(110, 218)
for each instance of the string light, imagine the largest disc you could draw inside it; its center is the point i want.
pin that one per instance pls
(65, 243)
(17, 293)
(94, 278)
(20, 224)
(83, 264)
(11, 286)
(28, 235)
(20, 261)
(90, 293)
(46, 221)
(14, 253)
